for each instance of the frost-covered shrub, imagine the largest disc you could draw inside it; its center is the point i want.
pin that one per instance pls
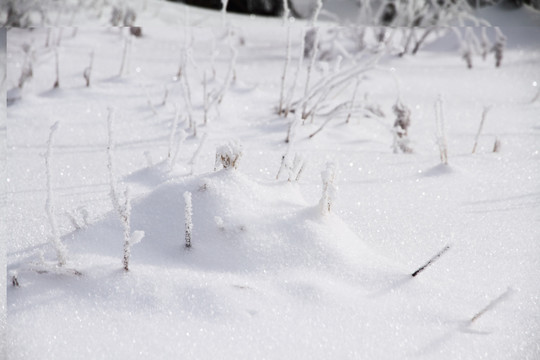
(228, 156)
(401, 126)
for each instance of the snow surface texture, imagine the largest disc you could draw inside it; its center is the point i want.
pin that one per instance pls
(268, 274)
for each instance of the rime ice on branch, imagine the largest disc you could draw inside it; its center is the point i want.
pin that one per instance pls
(400, 129)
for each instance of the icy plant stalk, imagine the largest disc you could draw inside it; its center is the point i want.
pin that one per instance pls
(329, 189)
(351, 107)
(57, 63)
(171, 135)
(188, 214)
(484, 114)
(123, 210)
(498, 48)
(61, 252)
(181, 137)
(441, 137)
(123, 65)
(88, 71)
(315, 44)
(125, 216)
(197, 153)
(295, 81)
(285, 67)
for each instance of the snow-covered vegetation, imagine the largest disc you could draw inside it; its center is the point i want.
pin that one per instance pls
(189, 183)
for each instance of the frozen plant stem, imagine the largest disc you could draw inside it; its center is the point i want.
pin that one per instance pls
(351, 107)
(171, 135)
(285, 67)
(441, 137)
(197, 153)
(123, 210)
(329, 189)
(123, 65)
(188, 213)
(484, 114)
(57, 61)
(492, 304)
(298, 67)
(88, 71)
(431, 261)
(60, 248)
(309, 70)
(179, 142)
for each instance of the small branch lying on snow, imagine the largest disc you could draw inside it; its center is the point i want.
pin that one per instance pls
(431, 261)
(492, 304)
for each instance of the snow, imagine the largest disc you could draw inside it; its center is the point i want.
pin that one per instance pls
(267, 274)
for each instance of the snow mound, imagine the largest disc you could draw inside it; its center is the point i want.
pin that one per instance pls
(239, 225)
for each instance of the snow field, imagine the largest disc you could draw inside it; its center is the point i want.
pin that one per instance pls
(269, 276)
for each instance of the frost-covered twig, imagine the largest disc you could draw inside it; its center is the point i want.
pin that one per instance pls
(440, 131)
(125, 54)
(88, 70)
(230, 73)
(400, 129)
(329, 189)
(165, 95)
(298, 68)
(498, 47)
(197, 153)
(320, 128)
(123, 209)
(188, 213)
(61, 252)
(27, 68)
(484, 114)
(181, 137)
(315, 44)
(353, 100)
(297, 168)
(57, 67)
(172, 133)
(285, 68)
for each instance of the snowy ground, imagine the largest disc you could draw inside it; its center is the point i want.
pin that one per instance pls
(272, 276)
